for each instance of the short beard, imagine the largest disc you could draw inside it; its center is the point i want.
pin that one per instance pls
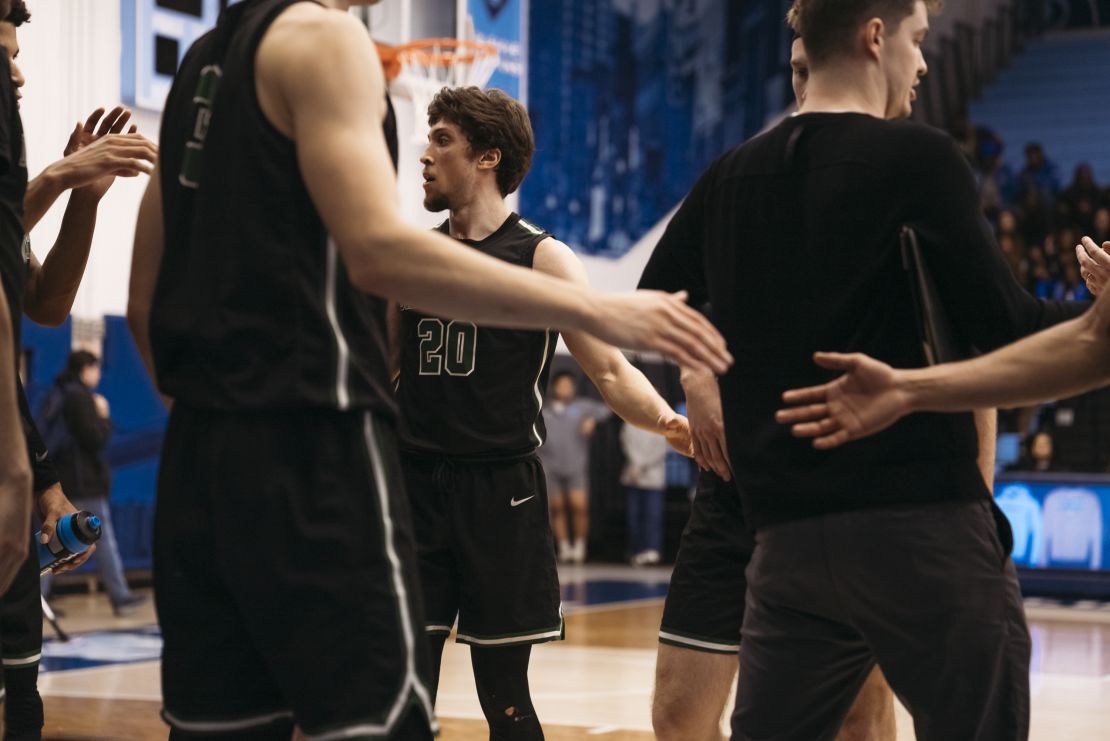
(436, 203)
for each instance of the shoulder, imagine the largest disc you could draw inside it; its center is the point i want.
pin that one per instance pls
(556, 258)
(307, 37)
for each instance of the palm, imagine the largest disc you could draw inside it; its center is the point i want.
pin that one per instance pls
(85, 134)
(864, 400)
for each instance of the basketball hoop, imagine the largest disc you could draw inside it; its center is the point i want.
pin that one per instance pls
(429, 65)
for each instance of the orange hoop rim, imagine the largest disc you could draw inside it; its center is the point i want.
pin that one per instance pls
(443, 52)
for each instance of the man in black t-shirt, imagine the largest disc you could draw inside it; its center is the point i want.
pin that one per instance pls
(885, 551)
(470, 398)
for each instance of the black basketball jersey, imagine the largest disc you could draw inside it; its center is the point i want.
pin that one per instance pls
(14, 247)
(474, 391)
(253, 309)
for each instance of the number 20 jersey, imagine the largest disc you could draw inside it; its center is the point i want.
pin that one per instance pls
(474, 391)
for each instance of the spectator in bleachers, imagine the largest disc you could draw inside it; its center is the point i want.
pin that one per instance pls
(1100, 232)
(77, 424)
(1034, 218)
(1071, 286)
(1015, 257)
(1039, 455)
(1040, 174)
(1082, 198)
(997, 184)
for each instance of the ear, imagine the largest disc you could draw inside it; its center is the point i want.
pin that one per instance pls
(489, 159)
(873, 35)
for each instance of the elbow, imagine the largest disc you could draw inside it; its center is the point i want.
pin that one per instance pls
(47, 316)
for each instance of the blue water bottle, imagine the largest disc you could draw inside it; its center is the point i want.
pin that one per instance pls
(73, 535)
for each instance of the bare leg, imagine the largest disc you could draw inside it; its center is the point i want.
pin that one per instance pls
(691, 690)
(580, 515)
(872, 716)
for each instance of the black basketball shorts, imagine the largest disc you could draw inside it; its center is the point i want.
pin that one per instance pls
(705, 603)
(21, 618)
(285, 577)
(486, 552)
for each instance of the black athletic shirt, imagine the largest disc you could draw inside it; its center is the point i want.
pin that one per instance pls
(793, 238)
(253, 308)
(473, 391)
(14, 248)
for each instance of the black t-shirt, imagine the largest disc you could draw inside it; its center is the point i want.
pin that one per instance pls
(793, 238)
(253, 309)
(474, 391)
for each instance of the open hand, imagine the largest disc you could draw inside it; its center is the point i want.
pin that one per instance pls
(94, 156)
(865, 400)
(654, 321)
(1094, 264)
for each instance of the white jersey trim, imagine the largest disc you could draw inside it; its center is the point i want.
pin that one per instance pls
(695, 643)
(342, 349)
(223, 726)
(536, 389)
(25, 661)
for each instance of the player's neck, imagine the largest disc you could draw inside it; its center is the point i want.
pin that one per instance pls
(844, 90)
(479, 218)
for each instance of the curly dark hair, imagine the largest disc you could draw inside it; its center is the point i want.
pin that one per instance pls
(826, 26)
(19, 13)
(490, 119)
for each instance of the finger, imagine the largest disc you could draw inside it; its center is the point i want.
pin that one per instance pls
(700, 339)
(808, 413)
(832, 441)
(109, 121)
(819, 428)
(75, 563)
(809, 395)
(134, 129)
(720, 459)
(1096, 253)
(48, 524)
(835, 360)
(121, 121)
(90, 122)
(1087, 264)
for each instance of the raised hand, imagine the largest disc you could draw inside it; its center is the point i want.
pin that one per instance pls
(653, 321)
(866, 399)
(95, 156)
(1094, 264)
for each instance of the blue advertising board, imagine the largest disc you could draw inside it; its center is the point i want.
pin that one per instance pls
(501, 23)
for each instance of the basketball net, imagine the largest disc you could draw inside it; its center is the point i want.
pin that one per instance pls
(429, 65)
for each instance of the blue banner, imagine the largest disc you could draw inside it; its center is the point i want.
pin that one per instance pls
(501, 23)
(1060, 521)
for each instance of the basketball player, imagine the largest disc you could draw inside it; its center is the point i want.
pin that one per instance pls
(283, 564)
(45, 293)
(700, 633)
(471, 399)
(901, 533)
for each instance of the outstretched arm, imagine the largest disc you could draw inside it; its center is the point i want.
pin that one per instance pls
(1063, 361)
(319, 82)
(625, 389)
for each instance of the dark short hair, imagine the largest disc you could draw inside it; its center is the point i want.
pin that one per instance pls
(490, 119)
(827, 26)
(19, 13)
(77, 361)
(559, 375)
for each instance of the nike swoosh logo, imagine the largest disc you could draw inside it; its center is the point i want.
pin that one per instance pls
(517, 502)
(40, 457)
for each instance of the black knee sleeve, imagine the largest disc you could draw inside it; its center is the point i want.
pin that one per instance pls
(501, 675)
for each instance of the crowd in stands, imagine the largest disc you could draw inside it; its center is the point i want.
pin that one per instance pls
(1038, 217)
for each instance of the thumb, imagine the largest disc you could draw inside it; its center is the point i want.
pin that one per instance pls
(835, 360)
(681, 296)
(48, 529)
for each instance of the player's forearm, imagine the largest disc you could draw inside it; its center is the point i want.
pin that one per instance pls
(986, 425)
(41, 194)
(1066, 360)
(631, 396)
(436, 275)
(52, 286)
